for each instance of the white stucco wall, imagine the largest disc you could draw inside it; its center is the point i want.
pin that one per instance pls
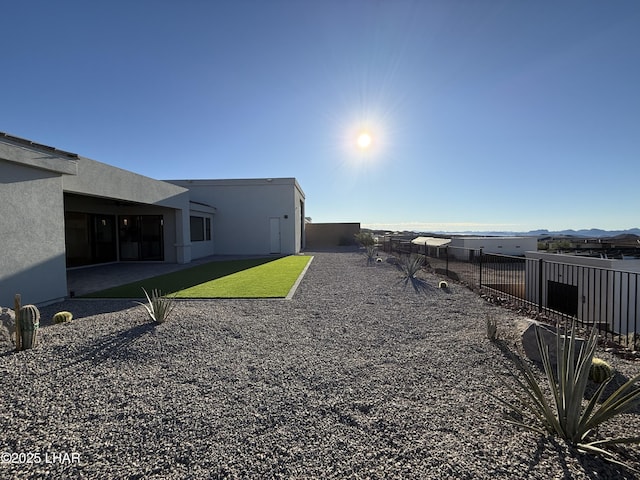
(500, 245)
(246, 210)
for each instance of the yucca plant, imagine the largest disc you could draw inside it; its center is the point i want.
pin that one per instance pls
(371, 252)
(410, 265)
(159, 308)
(565, 415)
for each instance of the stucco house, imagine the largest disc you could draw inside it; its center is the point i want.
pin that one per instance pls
(516, 246)
(60, 210)
(252, 216)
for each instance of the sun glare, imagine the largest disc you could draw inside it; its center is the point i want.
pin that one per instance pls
(364, 140)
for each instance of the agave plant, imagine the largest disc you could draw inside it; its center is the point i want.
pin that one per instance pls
(410, 265)
(159, 308)
(565, 415)
(371, 253)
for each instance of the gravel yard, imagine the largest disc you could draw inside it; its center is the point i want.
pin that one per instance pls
(358, 376)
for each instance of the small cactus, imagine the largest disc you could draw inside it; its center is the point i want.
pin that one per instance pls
(29, 324)
(62, 317)
(492, 329)
(600, 370)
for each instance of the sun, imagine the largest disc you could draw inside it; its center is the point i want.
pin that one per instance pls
(364, 140)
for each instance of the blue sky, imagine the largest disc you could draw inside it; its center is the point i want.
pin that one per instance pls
(484, 115)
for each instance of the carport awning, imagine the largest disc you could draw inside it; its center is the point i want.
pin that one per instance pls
(431, 241)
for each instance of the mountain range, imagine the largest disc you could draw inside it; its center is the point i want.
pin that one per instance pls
(588, 233)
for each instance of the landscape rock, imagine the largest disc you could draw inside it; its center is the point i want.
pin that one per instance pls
(548, 336)
(7, 328)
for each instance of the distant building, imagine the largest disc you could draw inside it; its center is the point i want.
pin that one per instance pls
(501, 245)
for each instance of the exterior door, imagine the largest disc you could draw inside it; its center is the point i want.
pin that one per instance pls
(141, 237)
(274, 229)
(89, 238)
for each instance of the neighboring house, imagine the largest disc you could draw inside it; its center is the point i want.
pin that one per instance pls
(591, 289)
(500, 245)
(463, 247)
(60, 210)
(435, 247)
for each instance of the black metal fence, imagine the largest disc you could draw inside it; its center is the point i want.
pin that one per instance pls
(603, 297)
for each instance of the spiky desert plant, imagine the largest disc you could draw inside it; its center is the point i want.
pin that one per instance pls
(565, 415)
(158, 307)
(29, 324)
(410, 265)
(600, 370)
(62, 317)
(371, 252)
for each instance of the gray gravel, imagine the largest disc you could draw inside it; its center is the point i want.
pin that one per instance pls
(358, 376)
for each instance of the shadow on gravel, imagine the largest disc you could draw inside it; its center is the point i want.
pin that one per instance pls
(419, 285)
(116, 347)
(83, 308)
(542, 445)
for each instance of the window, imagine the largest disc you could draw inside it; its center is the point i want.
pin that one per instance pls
(197, 229)
(200, 229)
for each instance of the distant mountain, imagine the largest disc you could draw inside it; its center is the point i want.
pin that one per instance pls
(593, 232)
(587, 233)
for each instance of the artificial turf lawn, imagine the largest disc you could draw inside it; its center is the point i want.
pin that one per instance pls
(248, 278)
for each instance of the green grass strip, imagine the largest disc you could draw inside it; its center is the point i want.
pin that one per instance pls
(205, 281)
(269, 280)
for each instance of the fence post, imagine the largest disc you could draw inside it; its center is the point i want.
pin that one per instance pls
(540, 283)
(446, 255)
(480, 276)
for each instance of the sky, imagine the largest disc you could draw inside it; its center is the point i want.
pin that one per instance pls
(482, 115)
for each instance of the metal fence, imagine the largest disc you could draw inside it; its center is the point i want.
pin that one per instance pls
(590, 295)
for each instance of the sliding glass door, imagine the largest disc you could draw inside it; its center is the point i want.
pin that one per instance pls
(89, 238)
(141, 237)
